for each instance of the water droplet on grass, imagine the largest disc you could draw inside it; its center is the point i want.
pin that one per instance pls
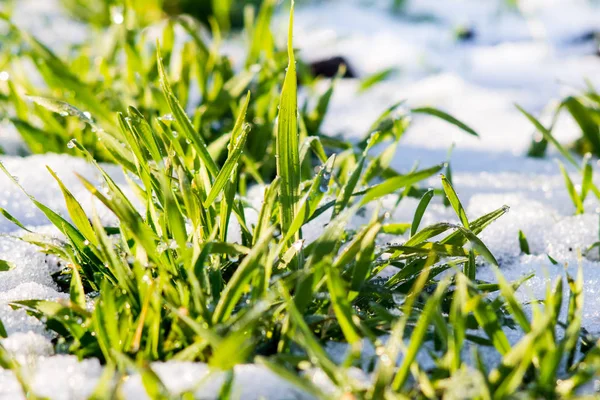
(162, 247)
(167, 117)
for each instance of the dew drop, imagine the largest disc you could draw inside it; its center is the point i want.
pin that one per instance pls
(167, 117)
(71, 144)
(162, 247)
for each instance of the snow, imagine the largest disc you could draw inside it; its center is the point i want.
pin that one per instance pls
(530, 56)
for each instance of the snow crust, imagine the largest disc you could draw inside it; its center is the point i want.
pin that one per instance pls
(528, 56)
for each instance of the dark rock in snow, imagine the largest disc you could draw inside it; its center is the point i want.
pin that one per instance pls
(329, 68)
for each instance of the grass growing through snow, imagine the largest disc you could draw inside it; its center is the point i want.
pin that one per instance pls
(169, 283)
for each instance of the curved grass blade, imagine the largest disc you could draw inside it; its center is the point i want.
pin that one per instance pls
(455, 202)
(76, 212)
(446, 117)
(423, 203)
(547, 134)
(392, 185)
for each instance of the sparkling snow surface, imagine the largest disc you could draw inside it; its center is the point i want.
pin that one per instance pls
(531, 58)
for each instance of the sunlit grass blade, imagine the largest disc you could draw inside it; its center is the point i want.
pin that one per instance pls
(186, 126)
(288, 161)
(523, 243)
(76, 212)
(446, 117)
(309, 202)
(423, 203)
(455, 202)
(572, 191)
(236, 147)
(392, 185)
(548, 136)
(236, 286)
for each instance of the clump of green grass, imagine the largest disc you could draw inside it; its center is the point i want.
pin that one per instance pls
(585, 117)
(168, 284)
(585, 111)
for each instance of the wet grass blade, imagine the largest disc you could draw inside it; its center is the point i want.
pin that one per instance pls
(288, 156)
(237, 284)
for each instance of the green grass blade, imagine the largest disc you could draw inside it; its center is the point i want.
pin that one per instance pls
(76, 212)
(523, 243)
(236, 148)
(423, 203)
(392, 185)
(547, 134)
(589, 127)
(288, 156)
(6, 266)
(446, 117)
(455, 202)
(183, 121)
(309, 202)
(237, 284)
(572, 191)
(418, 335)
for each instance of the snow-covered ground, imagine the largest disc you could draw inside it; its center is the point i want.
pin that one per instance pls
(530, 57)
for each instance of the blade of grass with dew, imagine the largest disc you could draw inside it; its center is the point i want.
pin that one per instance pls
(309, 202)
(236, 285)
(288, 162)
(310, 343)
(346, 193)
(384, 373)
(340, 304)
